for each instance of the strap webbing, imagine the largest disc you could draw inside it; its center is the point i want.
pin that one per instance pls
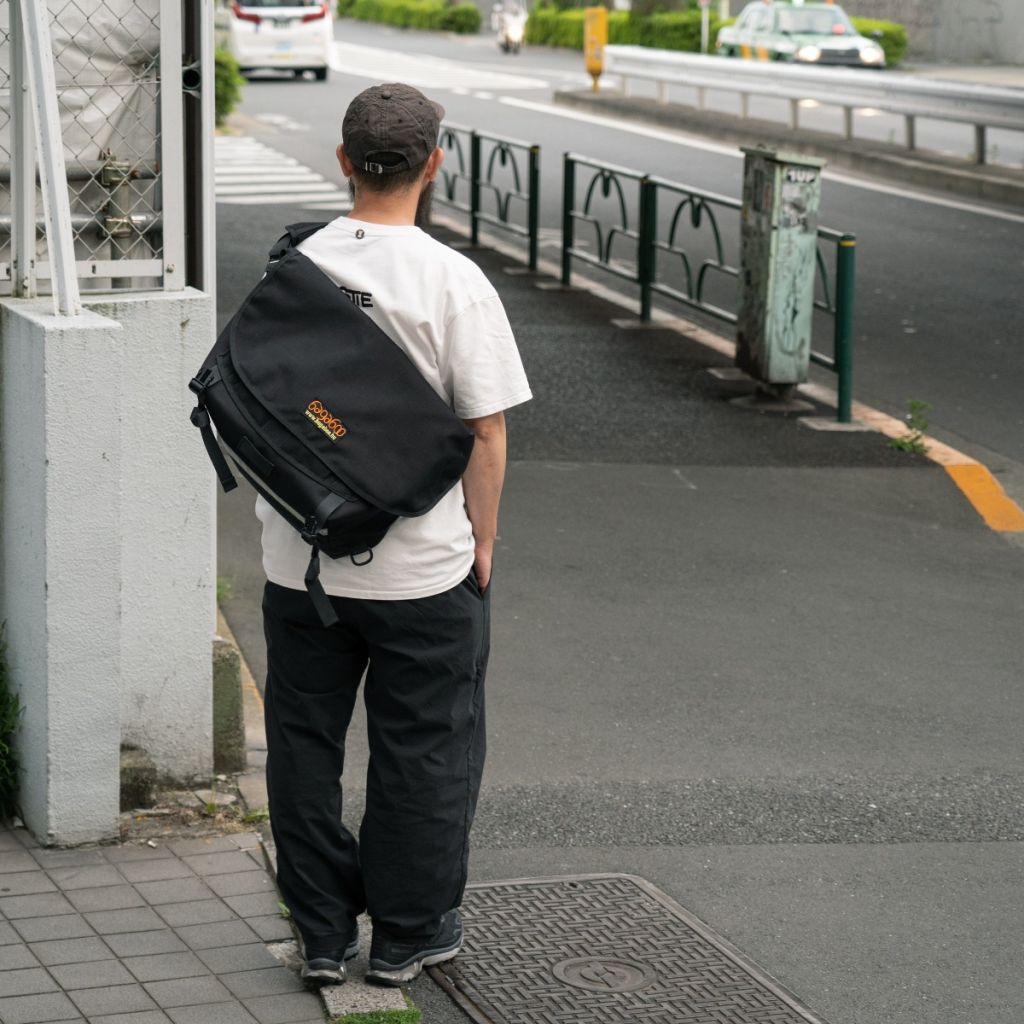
(294, 235)
(321, 602)
(201, 419)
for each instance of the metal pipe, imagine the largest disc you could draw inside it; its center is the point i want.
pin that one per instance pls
(84, 170)
(646, 254)
(23, 197)
(474, 188)
(98, 223)
(568, 205)
(843, 348)
(533, 207)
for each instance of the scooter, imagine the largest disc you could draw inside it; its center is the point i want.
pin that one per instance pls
(509, 23)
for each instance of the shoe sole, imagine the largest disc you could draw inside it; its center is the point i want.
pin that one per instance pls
(326, 976)
(381, 976)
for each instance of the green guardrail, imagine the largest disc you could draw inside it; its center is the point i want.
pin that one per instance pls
(492, 178)
(625, 189)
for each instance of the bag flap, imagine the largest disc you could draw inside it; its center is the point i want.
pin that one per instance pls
(346, 391)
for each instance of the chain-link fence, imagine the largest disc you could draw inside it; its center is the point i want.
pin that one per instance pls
(120, 123)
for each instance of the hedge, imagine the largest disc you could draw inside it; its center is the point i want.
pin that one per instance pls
(434, 14)
(671, 30)
(893, 39)
(227, 84)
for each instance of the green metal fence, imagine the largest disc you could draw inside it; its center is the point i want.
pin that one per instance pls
(644, 247)
(492, 178)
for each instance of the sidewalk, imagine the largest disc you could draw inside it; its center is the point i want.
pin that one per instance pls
(145, 934)
(774, 672)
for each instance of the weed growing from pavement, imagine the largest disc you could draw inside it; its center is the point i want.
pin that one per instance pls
(10, 712)
(225, 589)
(256, 817)
(410, 1015)
(917, 420)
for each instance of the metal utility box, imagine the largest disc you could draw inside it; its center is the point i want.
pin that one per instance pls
(778, 245)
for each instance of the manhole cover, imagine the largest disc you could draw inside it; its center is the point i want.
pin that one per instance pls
(602, 949)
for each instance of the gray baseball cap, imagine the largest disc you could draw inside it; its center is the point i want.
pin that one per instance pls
(389, 128)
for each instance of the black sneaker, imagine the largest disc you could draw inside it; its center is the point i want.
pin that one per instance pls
(394, 962)
(327, 967)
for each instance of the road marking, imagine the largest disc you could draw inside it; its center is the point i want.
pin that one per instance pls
(424, 70)
(682, 139)
(248, 173)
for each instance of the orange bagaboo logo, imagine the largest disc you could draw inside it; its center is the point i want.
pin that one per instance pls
(329, 424)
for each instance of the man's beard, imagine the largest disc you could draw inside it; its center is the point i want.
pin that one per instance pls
(423, 204)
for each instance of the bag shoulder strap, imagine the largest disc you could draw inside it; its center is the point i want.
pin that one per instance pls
(294, 234)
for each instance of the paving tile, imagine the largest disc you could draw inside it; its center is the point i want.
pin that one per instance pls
(246, 840)
(64, 926)
(195, 912)
(93, 975)
(129, 852)
(214, 1013)
(174, 890)
(271, 981)
(296, 1006)
(111, 999)
(27, 840)
(146, 943)
(241, 883)
(271, 929)
(7, 934)
(43, 904)
(259, 904)
(223, 933)
(50, 858)
(70, 951)
(29, 1009)
(15, 957)
(14, 862)
(85, 876)
(25, 983)
(24, 883)
(154, 870)
(166, 966)
(112, 922)
(106, 897)
(215, 844)
(219, 863)
(237, 958)
(8, 840)
(188, 991)
(139, 1017)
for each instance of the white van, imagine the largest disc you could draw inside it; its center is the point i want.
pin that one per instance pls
(293, 35)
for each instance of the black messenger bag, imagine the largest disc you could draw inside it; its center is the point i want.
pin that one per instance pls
(324, 414)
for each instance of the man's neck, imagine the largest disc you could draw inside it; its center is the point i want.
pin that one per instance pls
(395, 210)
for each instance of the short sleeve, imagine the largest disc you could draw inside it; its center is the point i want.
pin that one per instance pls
(482, 369)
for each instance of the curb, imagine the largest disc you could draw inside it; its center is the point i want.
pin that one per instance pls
(974, 480)
(355, 1002)
(958, 177)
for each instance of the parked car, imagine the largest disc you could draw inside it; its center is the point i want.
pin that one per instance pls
(294, 35)
(802, 33)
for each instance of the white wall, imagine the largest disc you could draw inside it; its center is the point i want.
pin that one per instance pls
(966, 31)
(108, 583)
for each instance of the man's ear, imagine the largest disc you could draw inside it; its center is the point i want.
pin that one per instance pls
(434, 162)
(347, 167)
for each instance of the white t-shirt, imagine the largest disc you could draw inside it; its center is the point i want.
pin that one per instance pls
(438, 306)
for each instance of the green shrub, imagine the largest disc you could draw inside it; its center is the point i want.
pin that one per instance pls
(228, 83)
(432, 14)
(893, 39)
(668, 30)
(10, 711)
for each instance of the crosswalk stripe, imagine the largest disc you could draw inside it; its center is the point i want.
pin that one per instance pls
(250, 173)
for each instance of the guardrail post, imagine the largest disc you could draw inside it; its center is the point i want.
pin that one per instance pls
(568, 205)
(843, 350)
(533, 205)
(474, 188)
(645, 244)
(980, 143)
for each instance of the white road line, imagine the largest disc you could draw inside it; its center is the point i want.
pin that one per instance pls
(254, 189)
(249, 173)
(242, 177)
(314, 201)
(682, 139)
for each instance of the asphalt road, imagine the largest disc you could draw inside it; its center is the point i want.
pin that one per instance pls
(938, 279)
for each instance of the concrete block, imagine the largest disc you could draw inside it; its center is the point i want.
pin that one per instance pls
(228, 723)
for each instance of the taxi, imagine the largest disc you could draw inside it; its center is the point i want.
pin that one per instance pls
(800, 33)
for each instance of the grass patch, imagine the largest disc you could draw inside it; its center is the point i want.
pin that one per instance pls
(410, 1015)
(225, 589)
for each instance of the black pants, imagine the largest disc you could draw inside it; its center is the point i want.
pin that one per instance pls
(425, 662)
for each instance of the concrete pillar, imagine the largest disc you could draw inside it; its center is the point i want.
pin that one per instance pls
(106, 574)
